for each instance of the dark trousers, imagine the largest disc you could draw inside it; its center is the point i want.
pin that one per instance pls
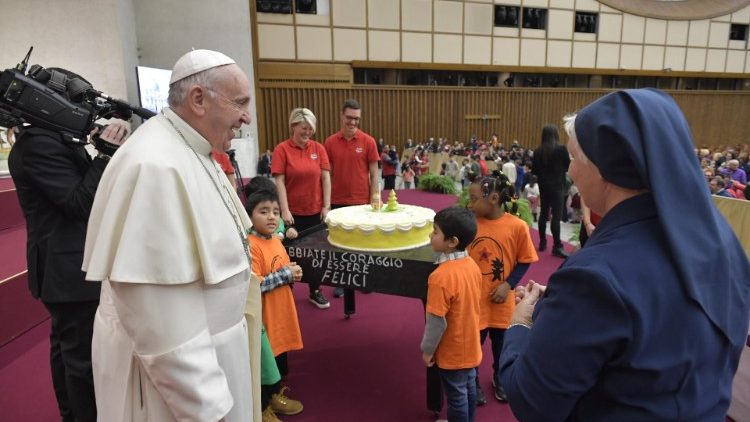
(304, 222)
(497, 336)
(390, 182)
(282, 364)
(267, 392)
(70, 358)
(460, 386)
(551, 199)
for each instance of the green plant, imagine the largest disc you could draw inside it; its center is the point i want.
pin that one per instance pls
(524, 211)
(575, 236)
(463, 197)
(435, 183)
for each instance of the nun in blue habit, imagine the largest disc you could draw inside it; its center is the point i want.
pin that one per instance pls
(646, 323)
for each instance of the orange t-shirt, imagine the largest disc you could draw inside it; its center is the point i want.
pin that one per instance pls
(302, 168)
(279, 311)
(453, 291)
(498, 246)
(350, 167)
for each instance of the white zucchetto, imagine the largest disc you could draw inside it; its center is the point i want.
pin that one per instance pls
(197, 61)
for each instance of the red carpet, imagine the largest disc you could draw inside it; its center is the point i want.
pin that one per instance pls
(10, 210)
(25, 382)
(12, 251)
(368, 368)
(6, 183)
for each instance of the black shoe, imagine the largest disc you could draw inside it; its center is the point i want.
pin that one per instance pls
(481, 399)
(499, 392)
(542, 246)
(338, 292)
(317, 299)
(560, 252)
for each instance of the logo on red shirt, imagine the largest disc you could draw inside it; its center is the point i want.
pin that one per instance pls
(314, 156)
(359, 150)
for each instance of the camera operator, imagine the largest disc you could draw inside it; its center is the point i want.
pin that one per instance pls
(56, 180)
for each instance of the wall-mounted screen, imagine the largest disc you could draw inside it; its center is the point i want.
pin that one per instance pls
(153, 87)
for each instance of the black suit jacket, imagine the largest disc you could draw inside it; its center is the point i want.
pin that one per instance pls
(55, 182)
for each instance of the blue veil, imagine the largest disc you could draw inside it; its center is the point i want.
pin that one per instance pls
(639, 139)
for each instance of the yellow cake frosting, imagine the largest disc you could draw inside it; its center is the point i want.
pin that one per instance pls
(361, 228)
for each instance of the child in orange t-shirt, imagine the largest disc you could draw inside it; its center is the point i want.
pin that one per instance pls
(503, 250)
(271, 264)
(451, 334)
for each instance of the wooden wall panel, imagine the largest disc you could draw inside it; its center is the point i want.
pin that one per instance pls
(397, 113)
(716, 118)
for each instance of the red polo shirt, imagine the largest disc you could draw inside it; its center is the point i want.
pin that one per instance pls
(222, 158)
(301, 168)
(350, 167)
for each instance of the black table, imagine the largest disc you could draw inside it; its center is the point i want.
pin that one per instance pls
(402, 273)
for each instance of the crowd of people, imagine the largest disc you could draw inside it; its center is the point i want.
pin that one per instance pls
(468, 160)
(186, 311)
(466, 163)
(726, 170)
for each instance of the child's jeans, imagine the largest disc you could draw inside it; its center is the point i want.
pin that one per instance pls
(460, 389)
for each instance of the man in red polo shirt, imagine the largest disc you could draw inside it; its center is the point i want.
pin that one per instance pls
(353, 156)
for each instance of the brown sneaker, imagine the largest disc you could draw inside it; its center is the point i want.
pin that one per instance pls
(269, 416)
(283, 405)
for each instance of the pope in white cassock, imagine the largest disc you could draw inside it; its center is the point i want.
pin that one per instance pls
(167, 239)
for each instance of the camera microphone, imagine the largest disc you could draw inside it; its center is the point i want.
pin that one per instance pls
(143, 113)
(123, 105)
(21, 67)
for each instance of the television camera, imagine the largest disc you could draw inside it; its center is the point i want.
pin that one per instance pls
(57, 100)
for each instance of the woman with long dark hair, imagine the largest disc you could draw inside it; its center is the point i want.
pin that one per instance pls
(550, 163)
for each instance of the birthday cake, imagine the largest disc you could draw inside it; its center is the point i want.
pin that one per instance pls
(368, 228)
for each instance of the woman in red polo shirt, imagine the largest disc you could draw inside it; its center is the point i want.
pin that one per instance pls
(303, 178)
